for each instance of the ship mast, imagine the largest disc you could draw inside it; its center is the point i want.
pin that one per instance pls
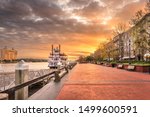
(59, 49)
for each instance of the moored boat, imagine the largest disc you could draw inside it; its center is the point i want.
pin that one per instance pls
(57, 58)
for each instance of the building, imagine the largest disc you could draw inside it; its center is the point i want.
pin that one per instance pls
(118, 47)
(137, 39)
(128, 46)
(132, 44)
(8, 54)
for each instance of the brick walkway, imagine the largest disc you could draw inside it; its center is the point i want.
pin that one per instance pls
(89, 81)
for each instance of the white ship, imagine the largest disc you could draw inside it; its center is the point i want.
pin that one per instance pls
(56, 58)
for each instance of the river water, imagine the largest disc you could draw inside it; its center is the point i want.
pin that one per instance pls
(32, 66)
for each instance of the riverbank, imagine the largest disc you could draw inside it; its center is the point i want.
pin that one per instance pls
(25, 59)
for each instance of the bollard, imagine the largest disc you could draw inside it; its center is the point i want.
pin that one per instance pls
(21, 76)
(57, 77)
(69, 67)
(3, 96)
(66, 68)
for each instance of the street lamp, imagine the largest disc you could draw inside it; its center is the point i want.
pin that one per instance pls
(121, 50)
(129, 51)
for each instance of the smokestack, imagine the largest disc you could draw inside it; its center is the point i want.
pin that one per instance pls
(59, 48)
(52, 49)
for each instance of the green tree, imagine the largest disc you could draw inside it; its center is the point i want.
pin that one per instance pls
(142, 43)
(89, 58)
(81, 58)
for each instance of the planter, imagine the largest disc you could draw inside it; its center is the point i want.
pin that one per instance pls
(125, 66)
(145, 69)
(101, 63)
(138, 68)
(113, 65)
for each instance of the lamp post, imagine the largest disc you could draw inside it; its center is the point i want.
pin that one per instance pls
(121, 50)
(129, 51)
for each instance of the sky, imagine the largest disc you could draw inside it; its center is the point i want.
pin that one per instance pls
(32, 26)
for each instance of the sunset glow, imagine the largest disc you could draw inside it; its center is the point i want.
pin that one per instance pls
(32, 26)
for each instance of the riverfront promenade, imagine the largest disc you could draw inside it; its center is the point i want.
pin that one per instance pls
(90, 81)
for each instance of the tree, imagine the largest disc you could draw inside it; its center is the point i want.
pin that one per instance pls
(118, 33)
(81, 58)
(147, 6)
(89, 58)
(120, 28)
(100, 53)
(97, 55)
(138, 16)
(141, 43)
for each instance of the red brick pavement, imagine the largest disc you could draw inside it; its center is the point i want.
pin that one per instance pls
(89, 81)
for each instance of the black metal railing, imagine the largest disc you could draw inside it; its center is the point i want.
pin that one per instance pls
(56, 75)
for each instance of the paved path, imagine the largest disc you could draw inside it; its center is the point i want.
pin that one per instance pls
(89, 81)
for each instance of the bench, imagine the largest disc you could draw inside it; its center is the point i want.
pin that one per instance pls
(107, 65)
(120, 66)
(131, 68)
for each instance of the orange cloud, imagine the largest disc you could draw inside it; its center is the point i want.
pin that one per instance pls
(79, 26)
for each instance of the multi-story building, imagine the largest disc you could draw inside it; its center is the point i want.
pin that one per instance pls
(128, 46)
(137, 39)
(133, 43)
(8, 54)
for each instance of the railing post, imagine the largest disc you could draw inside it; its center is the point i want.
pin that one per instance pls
(57, 77)
(21, 76)
(11, 95)
(3, 96)
(66, 68)
(69, 66)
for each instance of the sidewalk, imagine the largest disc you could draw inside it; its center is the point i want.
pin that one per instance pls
(89, 81)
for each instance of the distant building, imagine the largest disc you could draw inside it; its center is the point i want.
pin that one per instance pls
(8, 54)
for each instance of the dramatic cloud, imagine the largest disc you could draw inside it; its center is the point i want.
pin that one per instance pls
(92, 11)
(31, 26)
(79, 3)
